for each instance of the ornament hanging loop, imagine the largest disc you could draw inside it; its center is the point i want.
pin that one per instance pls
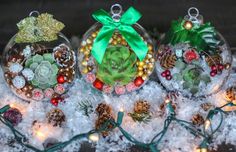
(194, 16)
(116, 11)
(34, 13)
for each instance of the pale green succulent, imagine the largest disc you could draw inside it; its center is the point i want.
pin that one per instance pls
(118, 66)
(45, 70)
(191, 75)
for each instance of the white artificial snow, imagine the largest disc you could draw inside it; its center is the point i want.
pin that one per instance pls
(177, 138)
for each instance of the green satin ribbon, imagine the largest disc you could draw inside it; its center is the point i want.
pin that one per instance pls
(124, 26)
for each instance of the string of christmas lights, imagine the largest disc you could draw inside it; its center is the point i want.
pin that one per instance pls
(207, 134)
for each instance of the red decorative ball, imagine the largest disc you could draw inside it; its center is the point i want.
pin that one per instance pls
(98, 84)
(163, 74)
(61, 79)
(54, 101)
(213, 67)
(213, 73)
(138, 81)
(168, 72)
(169, 77)
(220, 66)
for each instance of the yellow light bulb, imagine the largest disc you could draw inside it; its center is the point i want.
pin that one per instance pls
(207, 124)
(167, 101)
(94, 137)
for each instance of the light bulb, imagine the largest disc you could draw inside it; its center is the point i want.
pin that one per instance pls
(94, 137)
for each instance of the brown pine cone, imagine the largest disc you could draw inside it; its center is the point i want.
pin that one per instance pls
(168, 60)
(141, 106)
(56, 117)
(206, 106)
(103, 108)
(231, 93)
(64, 56)
(213, 60)
(102, 119)
(197, 120)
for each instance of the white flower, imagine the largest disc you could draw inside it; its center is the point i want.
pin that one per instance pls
(28, 74)
(15, 67)
(27, 51)
(18, 82)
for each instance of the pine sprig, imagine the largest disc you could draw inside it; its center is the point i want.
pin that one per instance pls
(140, 117)
(87, 107)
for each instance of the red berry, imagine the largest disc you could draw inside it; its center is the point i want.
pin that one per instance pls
(138, 81)
(169, 77)
(60, 79)
(213, 67)
(168, 72)
(163, 74)
(98, 84)
(54, 101)
(213, 73)
(220, 66)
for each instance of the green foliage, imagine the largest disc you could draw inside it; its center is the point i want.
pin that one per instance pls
(202, 37)
(86, 106)
(140, 117)
(118, 66)
(45, 70)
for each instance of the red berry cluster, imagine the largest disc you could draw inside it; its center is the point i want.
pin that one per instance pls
(216, 69)
(166, 74)
(56, 100)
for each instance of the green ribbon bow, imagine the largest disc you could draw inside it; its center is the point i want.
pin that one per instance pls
(124, 25)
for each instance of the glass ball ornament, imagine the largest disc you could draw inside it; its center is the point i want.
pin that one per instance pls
(38, 62)
(120, 70)
(193, 57)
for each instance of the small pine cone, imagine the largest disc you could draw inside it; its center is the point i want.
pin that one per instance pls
(56, 117)
(206, 106)
(141, 107)
(213, 60)
(231, 93)
(168, 60)
(103, 108)
(197, 120)
(102, 119)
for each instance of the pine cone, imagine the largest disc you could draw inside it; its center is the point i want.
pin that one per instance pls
(197, 120)
(102, 119)
(231, 93)
(141, 107)
(103, 108)
(206, 106)
(56, 117)
(213, 60)
(167, 61)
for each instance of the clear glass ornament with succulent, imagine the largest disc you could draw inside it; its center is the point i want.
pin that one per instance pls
(116, 54)
(193, 57)
(38, 62)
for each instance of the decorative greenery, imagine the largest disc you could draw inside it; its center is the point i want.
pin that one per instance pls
(35, 29)
(86, 107)
(202, 37)
(192, 75)
(45, 70)
(118, 66)
(140, 117)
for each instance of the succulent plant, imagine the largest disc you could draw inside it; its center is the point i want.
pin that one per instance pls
(191, 75)
(45, 70)
(118, 66)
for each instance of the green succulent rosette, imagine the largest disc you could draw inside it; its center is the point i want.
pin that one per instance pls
(118, 66)
(45, 70)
